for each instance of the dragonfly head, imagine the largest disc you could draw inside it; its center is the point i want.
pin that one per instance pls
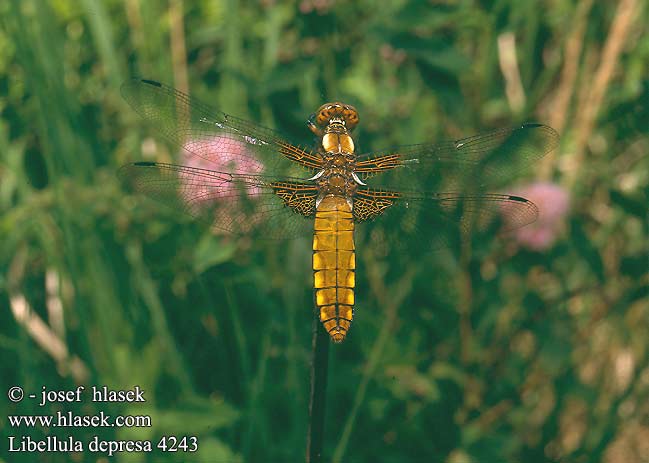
(336, 112)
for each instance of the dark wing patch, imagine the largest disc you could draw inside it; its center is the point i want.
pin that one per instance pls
(369, 204)
(300, 197)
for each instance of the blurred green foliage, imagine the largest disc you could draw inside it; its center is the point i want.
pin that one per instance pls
(490, 353)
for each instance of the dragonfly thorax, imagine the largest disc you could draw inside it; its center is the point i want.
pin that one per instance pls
(336, 139)
(337, 181)
(336, 176)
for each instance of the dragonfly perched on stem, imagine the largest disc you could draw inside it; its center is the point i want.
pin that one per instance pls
(245, 179)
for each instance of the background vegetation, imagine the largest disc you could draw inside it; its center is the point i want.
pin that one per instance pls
(493, 353)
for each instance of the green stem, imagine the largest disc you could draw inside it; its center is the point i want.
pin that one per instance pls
(317, 400)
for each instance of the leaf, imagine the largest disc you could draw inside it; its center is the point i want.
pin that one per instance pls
(555, 352)
(211, 252)
(197, 415)
(434, 52)
(585, 248)
(213, 449)
(634, 265)
(420, 13)
(631, 205)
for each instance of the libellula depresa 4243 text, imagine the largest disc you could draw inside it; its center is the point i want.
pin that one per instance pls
(244, 178)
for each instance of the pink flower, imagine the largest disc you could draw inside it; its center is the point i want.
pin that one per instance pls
(221, 154)
(553, 204)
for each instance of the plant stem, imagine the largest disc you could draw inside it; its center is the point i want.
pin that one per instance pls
(317, 399)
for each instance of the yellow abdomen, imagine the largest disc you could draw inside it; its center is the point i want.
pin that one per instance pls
(333, 265)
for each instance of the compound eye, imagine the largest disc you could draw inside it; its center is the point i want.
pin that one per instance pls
(322, 118)
(351, 117)
(324, 115)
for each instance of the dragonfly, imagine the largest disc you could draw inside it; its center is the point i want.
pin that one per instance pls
(243, 178)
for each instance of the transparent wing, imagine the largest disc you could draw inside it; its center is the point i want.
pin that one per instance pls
(233, 203)
(432, 221)
(487, 160)
(211, 139)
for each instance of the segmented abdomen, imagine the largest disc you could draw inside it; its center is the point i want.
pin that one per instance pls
(333, 265)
